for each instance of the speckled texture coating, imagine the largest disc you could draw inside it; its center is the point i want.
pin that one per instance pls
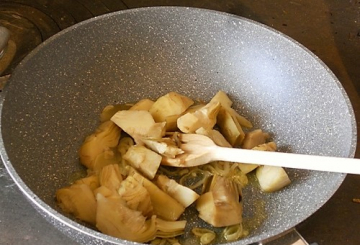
(54, 98)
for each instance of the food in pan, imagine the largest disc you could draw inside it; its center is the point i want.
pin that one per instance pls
(133, 192)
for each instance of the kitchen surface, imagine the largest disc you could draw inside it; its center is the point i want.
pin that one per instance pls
(329, 28)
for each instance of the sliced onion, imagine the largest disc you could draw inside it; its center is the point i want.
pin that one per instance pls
(206, 236)
(234, 232)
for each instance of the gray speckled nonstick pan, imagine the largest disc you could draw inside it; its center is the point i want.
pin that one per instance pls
(54, 98)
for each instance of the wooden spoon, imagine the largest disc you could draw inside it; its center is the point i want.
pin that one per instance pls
(200, 149)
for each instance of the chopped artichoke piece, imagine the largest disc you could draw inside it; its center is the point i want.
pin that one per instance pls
(107, 157)
(246, 167)
(241, 119)
(142, 105)
(272, 178)
(114, 218)
(227, 169)
(106, 192)
(254, 138)
(204, 117)
(194, 108)
(215, 135)
(168, 229)
(164, 205)
(270, 146)
(171, 123)
(143, 159)
(110, 110)
(106, 136)
(222, 98)
(139, 124)
(188, 122)
(230, 127)
(136, 196)
(124, 144)
(184, 195)
(91, 180)
(226, 104)
(221, 205)
(79, 200)
(169, 105)
(110, 177)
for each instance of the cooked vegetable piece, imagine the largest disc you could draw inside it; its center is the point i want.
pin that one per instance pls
(204, 117)
(226, 104)
(79, 200)
(220, 205)
(124, 144)
(143, 159)
(241, 119)
(139, 124)
(222, 98)
(103, 190)
(171, 123)
(110, 177)
(184, 195)
(114, 218)
(160, 200)
(234, 232)
(106, 136)
(230, 127)
(228, 169)
(254, 138)
(200, 231)
(194, 107)
(92, 180)
(206, 236)
(247, 168)
(169, 105)
(136, 196)
(272, 178)
(107, 157)
(142, 105)
(270, 146)
(169, 229)
(110, 110)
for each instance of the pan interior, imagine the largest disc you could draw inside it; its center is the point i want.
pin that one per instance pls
(55, 96)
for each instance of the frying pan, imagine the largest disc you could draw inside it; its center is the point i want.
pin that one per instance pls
(54, 97)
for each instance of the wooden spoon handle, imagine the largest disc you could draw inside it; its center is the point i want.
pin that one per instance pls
(288, 160)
